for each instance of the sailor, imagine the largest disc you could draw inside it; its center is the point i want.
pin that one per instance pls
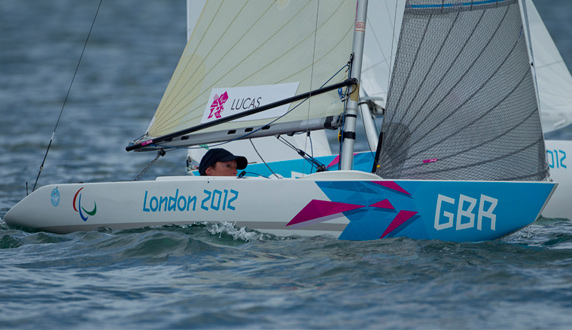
(220, 162)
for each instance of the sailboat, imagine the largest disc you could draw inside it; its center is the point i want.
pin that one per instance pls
(460, 155)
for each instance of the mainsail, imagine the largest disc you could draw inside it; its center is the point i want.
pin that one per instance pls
(462, 104)
(552, 75)
(383, 27)
(244, 54)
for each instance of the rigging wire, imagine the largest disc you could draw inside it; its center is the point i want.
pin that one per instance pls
(310, 158)
(160, 153)
(67, 96)
(259, 155)
(312, 70)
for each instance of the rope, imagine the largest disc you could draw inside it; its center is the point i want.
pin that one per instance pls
(67, 96)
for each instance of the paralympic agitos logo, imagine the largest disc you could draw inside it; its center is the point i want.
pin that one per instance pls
(82, 212)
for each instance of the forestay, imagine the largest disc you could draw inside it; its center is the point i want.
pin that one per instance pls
(462, 104)
(244, 54)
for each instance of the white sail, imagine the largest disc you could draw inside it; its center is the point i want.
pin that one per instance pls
(243, 54)
(383, 27)
(553, 77)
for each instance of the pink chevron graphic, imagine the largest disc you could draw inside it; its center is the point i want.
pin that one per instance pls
(384, 204)
(392, 185)
(336, 160)
(320, 209)
(399, 219)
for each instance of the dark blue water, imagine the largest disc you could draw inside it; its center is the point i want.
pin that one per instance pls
(217, 276)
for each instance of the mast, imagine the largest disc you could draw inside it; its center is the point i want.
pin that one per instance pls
(349, 135)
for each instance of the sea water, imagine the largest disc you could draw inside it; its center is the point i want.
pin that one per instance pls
(217, 275)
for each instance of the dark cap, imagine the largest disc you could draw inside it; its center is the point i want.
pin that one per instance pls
(220, 155)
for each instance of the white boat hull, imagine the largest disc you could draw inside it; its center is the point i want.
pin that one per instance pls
(350, 205)
(557, 156)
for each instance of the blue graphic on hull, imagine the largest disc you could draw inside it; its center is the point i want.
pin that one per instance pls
(444, 210)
